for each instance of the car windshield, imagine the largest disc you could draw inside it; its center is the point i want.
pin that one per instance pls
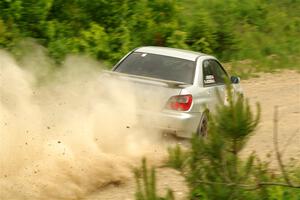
(158, 66)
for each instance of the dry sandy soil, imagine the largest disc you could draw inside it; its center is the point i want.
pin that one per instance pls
(282, 90)
(279, 89)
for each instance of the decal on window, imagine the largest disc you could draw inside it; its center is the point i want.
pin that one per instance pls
(209, 79)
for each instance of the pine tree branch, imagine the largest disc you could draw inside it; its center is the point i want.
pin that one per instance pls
(277, 184)
(276, 146)
(249, 186)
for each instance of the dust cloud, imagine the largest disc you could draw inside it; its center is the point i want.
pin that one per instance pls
(67, 132)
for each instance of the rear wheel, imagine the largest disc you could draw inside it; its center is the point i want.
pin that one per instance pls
(203, 125)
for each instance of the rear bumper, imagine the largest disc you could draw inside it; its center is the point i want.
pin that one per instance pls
(182, 124)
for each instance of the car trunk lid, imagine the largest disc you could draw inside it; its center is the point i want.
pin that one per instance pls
(150, 93)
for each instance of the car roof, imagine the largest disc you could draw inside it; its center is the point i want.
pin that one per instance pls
(172, 52)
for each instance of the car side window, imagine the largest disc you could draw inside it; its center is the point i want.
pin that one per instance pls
(219, 73)
(213, 73)
(208, 76)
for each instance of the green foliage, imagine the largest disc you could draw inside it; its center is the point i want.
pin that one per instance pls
(146, 184)
(234, 122)
(177, 157)
(215, 169)
(106, 30)
(94, 41)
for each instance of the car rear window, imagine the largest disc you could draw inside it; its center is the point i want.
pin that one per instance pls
(158, 66)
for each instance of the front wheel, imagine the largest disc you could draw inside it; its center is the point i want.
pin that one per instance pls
(203, 126)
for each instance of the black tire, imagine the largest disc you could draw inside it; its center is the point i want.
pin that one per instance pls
(203, 125)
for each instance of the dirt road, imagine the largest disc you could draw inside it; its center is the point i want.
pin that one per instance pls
(280, 89)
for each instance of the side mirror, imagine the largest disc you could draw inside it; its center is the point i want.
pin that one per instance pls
(235, 79)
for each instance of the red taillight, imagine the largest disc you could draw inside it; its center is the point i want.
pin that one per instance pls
(180, 102)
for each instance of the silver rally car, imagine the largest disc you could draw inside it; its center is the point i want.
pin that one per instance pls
(176, 88)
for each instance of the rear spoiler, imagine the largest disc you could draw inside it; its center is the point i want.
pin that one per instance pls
(169, 83)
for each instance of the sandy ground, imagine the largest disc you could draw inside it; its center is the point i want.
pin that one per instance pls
(279, 89)
(282, 90)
